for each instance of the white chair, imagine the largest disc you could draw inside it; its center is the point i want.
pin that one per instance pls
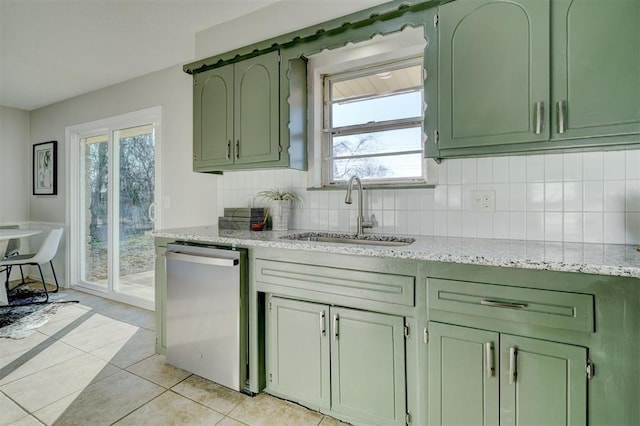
(13, 246)
(45, 254)
(13, 249)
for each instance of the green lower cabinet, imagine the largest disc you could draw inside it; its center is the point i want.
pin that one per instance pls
(338, 360)
(479, 377)
(160, 298)
(542, 383)
(368, 366)
(298, 351)
(463, 382)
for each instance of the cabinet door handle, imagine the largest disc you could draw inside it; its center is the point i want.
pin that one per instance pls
(497, 304)
(336, 321)
(237, 149)
(513, 365)
(229, 149)
(489, 355)
(561, 119)
(323, 329)
(538, 119)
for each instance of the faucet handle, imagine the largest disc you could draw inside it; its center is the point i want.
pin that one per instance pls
(367, 224)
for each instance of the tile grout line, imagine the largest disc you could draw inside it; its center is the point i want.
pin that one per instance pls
(143, 404)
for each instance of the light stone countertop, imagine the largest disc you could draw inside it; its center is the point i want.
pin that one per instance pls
(603, 259)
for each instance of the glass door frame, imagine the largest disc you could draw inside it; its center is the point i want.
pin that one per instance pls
(74, 136)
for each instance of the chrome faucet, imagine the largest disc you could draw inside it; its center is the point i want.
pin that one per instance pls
(361, 222)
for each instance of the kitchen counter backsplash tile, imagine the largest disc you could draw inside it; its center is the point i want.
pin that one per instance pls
(591, 197)
(603, 259)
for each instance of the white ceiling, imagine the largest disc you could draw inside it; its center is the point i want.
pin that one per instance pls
(51, 50)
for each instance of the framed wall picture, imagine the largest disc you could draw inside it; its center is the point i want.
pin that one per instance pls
(45, 168)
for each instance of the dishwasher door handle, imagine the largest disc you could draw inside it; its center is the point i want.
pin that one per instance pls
(203, 260)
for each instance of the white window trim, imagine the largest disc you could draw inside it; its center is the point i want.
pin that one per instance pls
(329, 132)
(404, 44)
(73, 135)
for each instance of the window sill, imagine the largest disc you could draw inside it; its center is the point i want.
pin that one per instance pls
(374, 186)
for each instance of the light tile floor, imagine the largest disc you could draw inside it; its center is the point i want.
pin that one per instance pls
(93, 363)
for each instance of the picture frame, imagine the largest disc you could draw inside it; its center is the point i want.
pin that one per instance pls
(45, 168)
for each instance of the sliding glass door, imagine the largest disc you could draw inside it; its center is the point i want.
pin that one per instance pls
(94, 211)
(134, 211)
(115, 211)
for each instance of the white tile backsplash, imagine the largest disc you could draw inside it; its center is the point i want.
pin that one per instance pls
(572, 166)
(484, 170)
(592, 166)
(572, 197)
(593, 196)
(614, 165)
(517, 169)
(501, 170)
(593, 227)
(553, 167)
(632, 164)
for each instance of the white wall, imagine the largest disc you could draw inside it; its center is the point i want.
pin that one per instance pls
(280, 18)
(589, 197)
(15, 165)
(191, 196)
(186, 198)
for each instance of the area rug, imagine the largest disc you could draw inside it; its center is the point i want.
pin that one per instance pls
(25, 313)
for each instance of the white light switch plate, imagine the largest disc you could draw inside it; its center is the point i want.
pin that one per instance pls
(483, 201)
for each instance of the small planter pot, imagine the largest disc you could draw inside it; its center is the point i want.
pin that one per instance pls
(280, 212)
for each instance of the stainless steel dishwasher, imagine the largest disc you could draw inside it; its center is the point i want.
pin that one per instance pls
(206, 312)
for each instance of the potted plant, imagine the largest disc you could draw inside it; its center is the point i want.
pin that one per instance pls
(280, 204)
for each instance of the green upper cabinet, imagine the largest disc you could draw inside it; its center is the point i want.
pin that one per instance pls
(595, 68)
(257, 119)
(494, 72)
(213, 118)
(535, 75)
(237, 115)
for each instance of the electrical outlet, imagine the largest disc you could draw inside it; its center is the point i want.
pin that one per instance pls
(483, 201)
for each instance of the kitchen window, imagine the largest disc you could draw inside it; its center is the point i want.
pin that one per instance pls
(366, 106)
(372, 124)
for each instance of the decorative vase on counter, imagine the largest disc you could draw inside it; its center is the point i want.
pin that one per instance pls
(280, 212)
(280, 202)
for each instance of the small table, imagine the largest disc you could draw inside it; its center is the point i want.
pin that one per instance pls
(5, 236)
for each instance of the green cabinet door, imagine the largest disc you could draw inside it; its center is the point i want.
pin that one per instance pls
(213, 118)
(542, 383)
(595, 68)
(298, 351)
(463, 376)
(257, 132)
(161, 299)
(236, 110)
(493, 73)
(368, 366)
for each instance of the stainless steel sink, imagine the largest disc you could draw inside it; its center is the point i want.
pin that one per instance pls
(373, 240)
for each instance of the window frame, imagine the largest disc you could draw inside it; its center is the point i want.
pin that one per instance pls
(328, 132)
(74, 135)
(409, 42)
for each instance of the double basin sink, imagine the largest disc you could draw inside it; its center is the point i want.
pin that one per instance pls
(373, 240)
